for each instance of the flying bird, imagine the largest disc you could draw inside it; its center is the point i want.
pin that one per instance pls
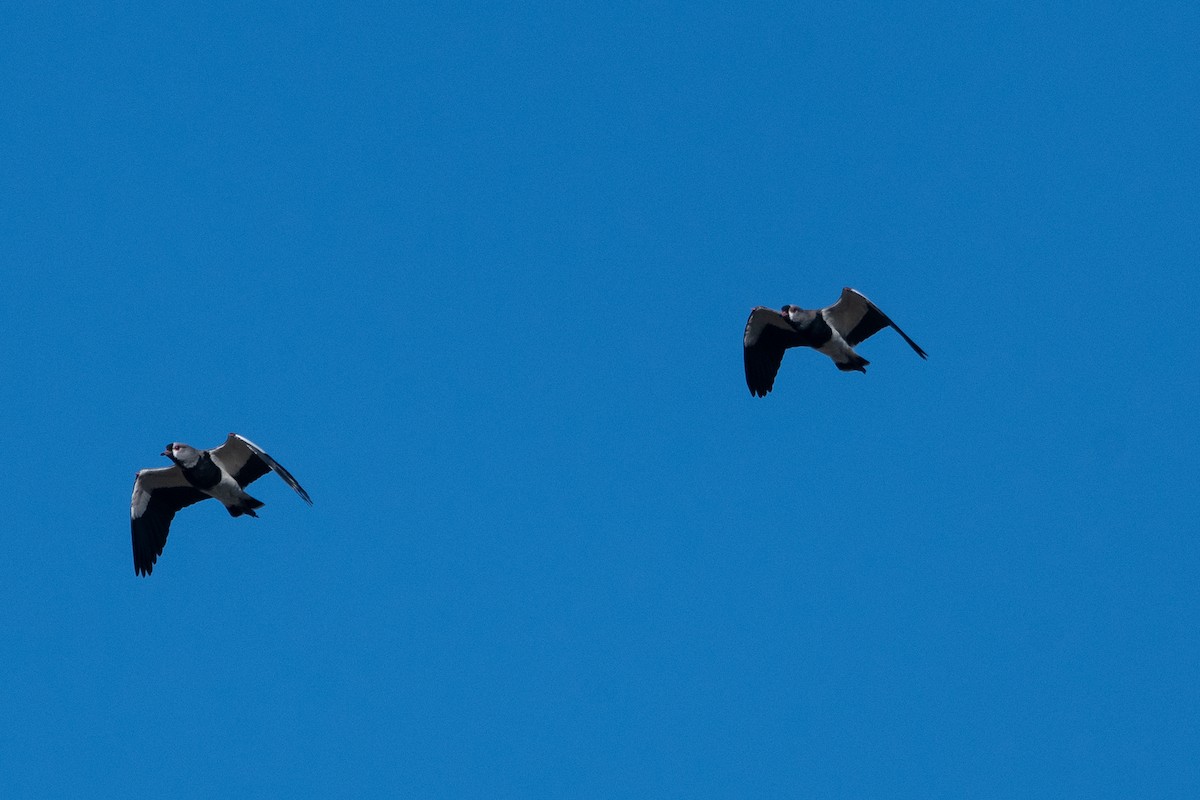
(833, 330)
(223, 472)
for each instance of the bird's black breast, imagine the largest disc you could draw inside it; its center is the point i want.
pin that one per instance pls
(205, 475)
(817, 331)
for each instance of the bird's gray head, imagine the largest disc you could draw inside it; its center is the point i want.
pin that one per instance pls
(182, 454)
(795, 314)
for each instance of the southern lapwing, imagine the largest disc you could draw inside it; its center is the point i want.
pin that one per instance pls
(223, 472)
(833, 330)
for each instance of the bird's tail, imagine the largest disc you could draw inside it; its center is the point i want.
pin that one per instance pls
(856, 364)
(246, 506)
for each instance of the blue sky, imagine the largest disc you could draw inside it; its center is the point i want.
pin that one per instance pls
(477, 274)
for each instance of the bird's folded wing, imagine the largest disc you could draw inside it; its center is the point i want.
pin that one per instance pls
(157, 495)
(247, 462)
(856, 319)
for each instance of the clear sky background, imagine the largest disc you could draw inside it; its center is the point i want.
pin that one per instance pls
(477, 274)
